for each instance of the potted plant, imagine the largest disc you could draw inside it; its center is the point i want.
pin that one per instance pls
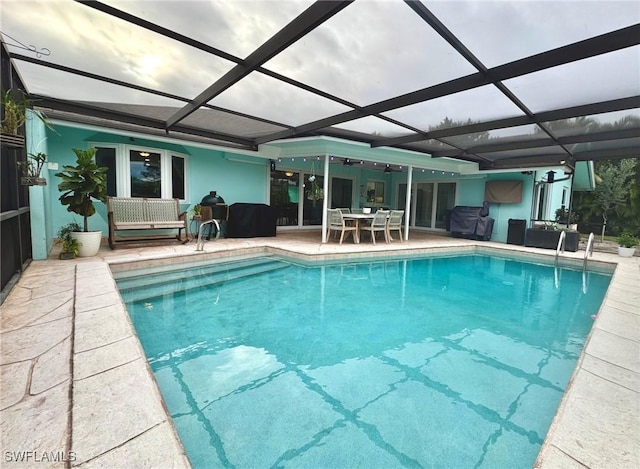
(567, 219)
(81, 185)
(197, 211)
(15, 105)
(32, 168)
(627, 245)
(70, 246)
(14, 111)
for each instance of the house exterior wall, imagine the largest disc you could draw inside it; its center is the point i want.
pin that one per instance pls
(501, 213)
(237, 178)
(240, 177)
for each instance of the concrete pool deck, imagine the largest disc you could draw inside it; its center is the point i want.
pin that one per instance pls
(76, 390)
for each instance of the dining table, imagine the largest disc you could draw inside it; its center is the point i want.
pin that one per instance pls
(358, 218)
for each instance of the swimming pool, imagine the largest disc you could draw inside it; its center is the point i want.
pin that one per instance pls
(438, 362)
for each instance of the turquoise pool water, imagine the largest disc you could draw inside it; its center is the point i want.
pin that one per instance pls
(440, 362)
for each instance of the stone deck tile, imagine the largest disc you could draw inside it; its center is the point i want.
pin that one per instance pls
(119, 419)
(35, 351)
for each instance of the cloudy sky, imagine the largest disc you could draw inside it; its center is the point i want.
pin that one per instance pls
(368, 52)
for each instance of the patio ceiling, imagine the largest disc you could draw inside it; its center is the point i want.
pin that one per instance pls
(504, 84)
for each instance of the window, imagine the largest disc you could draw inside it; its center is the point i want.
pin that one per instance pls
(541, 201)
(107, 157)
(375, 192)
(143, 172)
(144, 168)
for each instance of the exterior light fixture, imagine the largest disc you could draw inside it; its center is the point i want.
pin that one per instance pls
(288, 174)
(144, 153)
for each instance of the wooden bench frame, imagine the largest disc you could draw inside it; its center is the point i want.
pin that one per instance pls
(141, 213)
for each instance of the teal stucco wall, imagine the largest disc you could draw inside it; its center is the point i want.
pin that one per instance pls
(238, 178)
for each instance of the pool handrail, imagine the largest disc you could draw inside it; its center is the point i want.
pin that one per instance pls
(200, 243)
(561, 241)
(588, 250)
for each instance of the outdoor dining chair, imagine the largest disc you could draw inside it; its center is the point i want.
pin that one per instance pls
(394, 223)
(338, 223)
(378, 224)
(345, 210)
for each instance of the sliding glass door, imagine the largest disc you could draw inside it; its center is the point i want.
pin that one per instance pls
(430, 203)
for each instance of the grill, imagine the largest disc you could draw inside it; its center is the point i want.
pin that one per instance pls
(213, 206)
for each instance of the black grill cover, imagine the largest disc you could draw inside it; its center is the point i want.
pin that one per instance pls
(471, 222)
(251, 220)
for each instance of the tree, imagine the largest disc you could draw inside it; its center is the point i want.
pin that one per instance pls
(613, 192)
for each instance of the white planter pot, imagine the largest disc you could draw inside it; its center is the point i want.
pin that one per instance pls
(89, 242)
(626, 252)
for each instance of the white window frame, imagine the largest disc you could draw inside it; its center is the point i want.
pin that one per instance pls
(123, 168)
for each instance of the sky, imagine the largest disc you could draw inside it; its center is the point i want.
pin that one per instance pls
(370, 51)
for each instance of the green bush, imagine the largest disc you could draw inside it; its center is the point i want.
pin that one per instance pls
(627, 240)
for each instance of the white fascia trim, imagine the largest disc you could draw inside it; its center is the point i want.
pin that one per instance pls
(175, 141)
(364, 151)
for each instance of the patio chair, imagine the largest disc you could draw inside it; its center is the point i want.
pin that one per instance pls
(345, 210)
(338, 223)
(356, 210)
(394, 223)
(378, 224)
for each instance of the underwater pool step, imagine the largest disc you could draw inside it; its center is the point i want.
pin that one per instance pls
(170, 274)
(140, 288)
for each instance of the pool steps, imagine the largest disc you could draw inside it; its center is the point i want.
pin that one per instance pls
(144, 285)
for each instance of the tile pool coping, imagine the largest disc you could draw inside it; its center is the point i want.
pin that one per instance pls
(596, 424)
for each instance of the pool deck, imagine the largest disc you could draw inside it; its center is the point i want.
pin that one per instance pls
(76, 390)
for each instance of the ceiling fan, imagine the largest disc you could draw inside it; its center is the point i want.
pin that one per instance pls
(390, 169)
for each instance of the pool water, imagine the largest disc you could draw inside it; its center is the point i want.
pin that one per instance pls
(438, 362)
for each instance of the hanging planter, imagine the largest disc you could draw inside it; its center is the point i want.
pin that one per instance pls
(31, 170)
(33, 181)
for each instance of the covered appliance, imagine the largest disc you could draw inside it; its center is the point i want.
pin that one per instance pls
(213, 207)
(471, 222)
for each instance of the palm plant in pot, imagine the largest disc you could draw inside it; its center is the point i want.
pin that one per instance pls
(81, 185)
(627, 245)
